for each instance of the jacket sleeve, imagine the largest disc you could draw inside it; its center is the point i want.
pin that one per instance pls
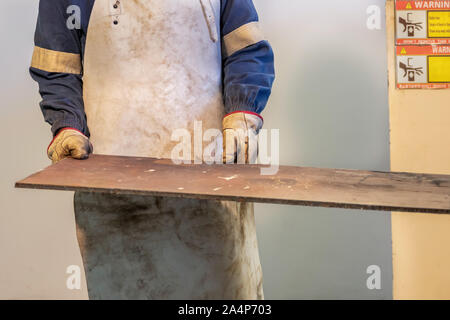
(248, 58)
(56, 66)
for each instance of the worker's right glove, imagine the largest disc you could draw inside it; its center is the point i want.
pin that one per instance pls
(240, 137)
(69, 143)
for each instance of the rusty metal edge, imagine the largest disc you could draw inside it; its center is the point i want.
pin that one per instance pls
(339, 205)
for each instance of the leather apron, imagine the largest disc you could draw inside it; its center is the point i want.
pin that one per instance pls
(152, 67)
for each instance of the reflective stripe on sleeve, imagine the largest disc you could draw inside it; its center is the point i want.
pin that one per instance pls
(242, 37)
(56, 61)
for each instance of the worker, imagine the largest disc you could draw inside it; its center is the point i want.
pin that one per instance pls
(119, 77)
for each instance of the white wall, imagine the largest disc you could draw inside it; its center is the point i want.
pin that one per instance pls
(330, 102)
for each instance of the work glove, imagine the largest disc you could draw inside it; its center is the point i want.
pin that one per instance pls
(69, 143)
(240, 137)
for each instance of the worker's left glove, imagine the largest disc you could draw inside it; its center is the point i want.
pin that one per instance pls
(240, 137)
(69, 143)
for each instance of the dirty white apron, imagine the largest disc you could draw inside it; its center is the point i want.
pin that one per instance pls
(151, 67)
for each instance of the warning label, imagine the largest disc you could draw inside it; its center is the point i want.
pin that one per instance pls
(422, 5)
(438, 24)
(423, 22)
(423, 67)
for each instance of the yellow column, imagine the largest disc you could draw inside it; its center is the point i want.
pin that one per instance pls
(420, 142)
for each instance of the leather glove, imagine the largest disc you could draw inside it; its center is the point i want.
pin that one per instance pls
(240, 137)
(69, 143)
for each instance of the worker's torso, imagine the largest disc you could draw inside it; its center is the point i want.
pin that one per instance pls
(151, 74)
(151, 68)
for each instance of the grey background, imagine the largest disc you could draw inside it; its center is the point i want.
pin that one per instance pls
(330, 104)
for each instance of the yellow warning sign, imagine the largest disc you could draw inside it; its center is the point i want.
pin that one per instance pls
(439, 69)
(439, 24)
(403, 51)
(409, 6)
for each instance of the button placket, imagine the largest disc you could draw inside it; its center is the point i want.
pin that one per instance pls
(115, 10)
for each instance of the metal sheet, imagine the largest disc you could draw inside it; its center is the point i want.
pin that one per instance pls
(338, 188)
